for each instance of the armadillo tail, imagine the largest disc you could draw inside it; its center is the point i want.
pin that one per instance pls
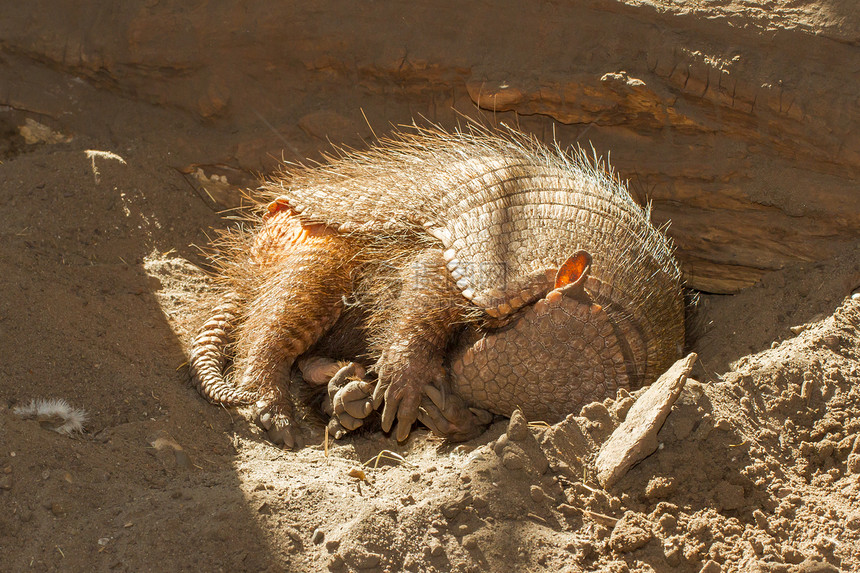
(207, 359)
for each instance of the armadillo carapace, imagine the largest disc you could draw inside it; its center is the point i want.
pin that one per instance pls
(470, 274)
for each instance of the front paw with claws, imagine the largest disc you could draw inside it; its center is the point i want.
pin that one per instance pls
(402, 383)
(350, 399)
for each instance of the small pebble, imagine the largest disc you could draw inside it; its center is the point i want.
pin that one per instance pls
(434, 547)
(668, 522)
(318, 536)
(336, 561)
(832, 341)
(673, 555)
(760, 519)
(792, 555)
(518, 428)
(853, 464)
(596, 412)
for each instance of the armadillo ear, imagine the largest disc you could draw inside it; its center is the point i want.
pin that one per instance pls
(279, 204)
(574, 271)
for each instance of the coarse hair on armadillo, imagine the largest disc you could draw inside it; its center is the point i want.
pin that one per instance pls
(502, 207)
(408, 179)
(379, 264)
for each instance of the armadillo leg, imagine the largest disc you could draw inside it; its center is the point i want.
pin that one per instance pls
(307, 273)
(426, 315)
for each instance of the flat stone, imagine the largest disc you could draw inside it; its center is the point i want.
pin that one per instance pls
(636, 437)
(630, 533)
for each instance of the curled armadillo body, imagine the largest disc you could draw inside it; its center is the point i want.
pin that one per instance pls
(489, 273)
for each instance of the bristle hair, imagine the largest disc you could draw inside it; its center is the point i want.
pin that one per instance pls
(72, 419)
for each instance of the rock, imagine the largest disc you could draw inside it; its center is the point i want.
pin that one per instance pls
(336, 562)
(668, 522)
(168, 451)
(514, 459)
(34, 132)
(453, 507)
(853, 461)
(518, 447)
(636, 438)
(659, 487)
(631, 532)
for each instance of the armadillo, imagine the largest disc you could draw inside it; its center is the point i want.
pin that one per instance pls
(473, 273)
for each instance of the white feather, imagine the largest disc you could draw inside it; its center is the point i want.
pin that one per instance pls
(55, 408)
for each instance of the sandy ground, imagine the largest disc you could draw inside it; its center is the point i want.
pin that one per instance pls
(758, 467)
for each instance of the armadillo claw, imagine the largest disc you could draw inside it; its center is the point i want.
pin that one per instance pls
(340, 426)
(403, 407)
(354, 399)
(336, 428)
(278, 426)
(351, 398)
(346, 374)
(406, 389)
(286, 435)
(451, 419)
